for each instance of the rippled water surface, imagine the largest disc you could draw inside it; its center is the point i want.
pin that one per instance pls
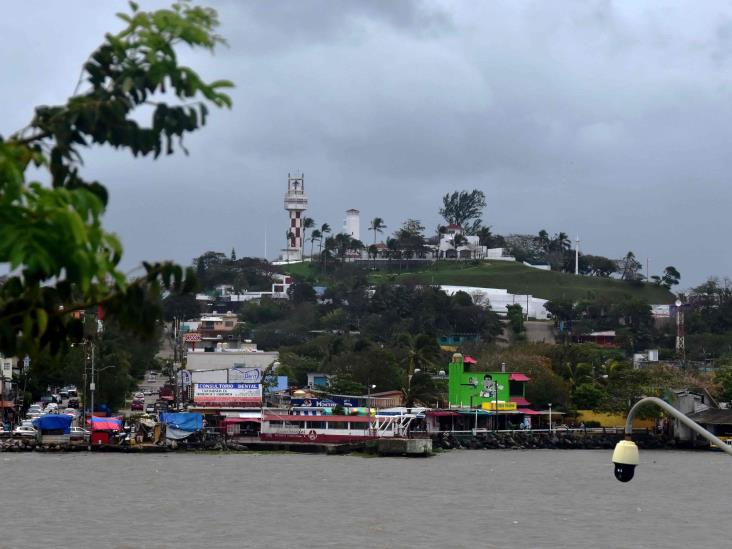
(479, 498)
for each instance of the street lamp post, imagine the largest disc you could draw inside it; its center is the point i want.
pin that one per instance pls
(550, 417)
(625, 456)
(369, 386)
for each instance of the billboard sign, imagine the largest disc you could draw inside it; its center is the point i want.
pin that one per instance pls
(227, 395)
(192, 337)
(245, 375)
(473, 389)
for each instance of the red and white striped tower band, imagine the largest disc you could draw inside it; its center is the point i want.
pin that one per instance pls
(296, 202)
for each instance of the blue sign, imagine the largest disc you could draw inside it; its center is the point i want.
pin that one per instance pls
(346, 402)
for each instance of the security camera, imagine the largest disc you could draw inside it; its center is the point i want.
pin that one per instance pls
(625, 458)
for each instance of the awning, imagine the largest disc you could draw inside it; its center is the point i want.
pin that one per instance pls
(474, 411)
(441, 413)
(105, 424)
(529, 412)
(469, 360)
(520, 401)
(518, 377)
(233, 420)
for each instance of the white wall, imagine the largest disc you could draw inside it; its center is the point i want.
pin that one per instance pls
(229, 359)
(498, 299)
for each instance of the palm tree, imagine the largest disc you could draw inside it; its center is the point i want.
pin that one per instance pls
(315, 235)
(392, 246)
(330, 244)
(342, 244)
(421, 352)
(307, 223)
(377, 225)
(562, 242)
(289, 235)
(324, 230)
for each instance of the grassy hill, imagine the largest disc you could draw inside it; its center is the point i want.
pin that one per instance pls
(516, 278)
(520, 279)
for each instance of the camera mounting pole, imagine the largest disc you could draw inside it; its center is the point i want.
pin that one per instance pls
(666, 407)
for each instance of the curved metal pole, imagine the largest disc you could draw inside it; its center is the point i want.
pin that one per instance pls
(666, 407)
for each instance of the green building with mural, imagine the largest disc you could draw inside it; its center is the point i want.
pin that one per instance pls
(501, 391)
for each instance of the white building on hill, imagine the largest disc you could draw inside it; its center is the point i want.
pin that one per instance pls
(498, 299)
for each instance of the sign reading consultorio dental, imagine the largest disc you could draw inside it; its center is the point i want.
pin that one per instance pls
(233, 395)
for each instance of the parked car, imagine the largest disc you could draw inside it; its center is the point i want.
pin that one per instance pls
(139, 395)
(71, 412)
(138, 405)
(25, 432)
(77, 433)
(73, 402)
(35, 409)
(150, 409)
(63, 394)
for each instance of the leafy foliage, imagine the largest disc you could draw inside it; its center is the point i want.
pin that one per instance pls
(464, 208)
(61, 258)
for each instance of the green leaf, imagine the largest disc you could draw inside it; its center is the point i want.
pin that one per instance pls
(41, 321)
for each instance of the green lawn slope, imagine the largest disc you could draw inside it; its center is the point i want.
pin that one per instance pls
(520, 279)
(516, 278)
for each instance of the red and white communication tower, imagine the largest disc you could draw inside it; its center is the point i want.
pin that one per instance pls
(296, 202)
(680, 344)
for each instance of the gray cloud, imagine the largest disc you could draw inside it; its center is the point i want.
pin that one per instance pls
(604, 119)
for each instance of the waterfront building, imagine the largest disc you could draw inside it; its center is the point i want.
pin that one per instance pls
(492, 399)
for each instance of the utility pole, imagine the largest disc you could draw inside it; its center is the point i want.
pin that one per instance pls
(576, 255)
(92, 385)
(680, 343)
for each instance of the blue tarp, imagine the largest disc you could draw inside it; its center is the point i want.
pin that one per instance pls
(53, 422)
(183, 421)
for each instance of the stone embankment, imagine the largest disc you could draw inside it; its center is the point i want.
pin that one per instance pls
(558, 440)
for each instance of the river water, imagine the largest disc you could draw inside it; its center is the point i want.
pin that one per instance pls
(463, 498)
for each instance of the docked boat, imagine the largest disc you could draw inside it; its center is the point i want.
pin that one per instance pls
(334, 429)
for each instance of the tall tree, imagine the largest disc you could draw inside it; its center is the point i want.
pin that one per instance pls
(464, 208)
(324, 230)
(61, 258)
(670, 277)
(315, 235)
(307, 223)
(410, 238)
(377, 225)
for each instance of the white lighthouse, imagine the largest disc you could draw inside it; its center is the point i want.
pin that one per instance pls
(296, 202)
(352, 224)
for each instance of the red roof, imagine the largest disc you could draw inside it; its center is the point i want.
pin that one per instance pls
(517, 377)
(454, 226)
(520, 401)
(469, 360)
(441, 413)
(528, 412)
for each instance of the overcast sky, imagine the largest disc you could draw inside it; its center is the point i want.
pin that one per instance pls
(607, 119)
